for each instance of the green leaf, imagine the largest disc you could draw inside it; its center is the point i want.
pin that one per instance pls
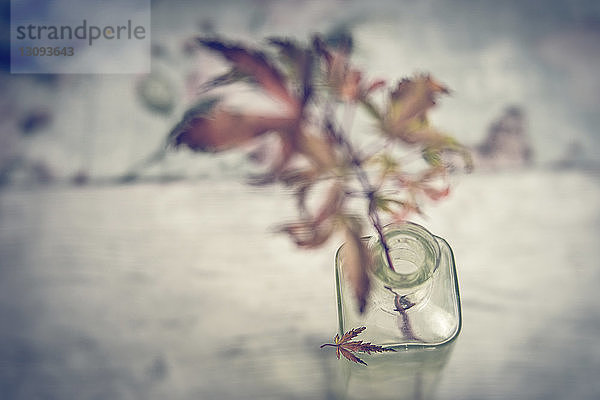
(432, 156)
(385, 204)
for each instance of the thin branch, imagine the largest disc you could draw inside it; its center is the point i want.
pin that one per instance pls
(368, 188)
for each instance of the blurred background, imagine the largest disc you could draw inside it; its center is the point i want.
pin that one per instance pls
(126, 279)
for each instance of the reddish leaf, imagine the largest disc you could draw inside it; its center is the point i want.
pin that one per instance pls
(356, 263)
(424, 184)
(346, 347)
(365, 347)
(407, 209)
(436, 194)
(345, 81)
(300, 61)
(318, 150)
(217, 129)
(377, 84)
(255, 64)
(331, 205)
(350, 356)
(307, 234)
(313, 232)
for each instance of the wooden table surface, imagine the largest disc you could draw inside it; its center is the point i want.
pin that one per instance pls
(179, 291)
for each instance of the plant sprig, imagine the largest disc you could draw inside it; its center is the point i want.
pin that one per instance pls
(310, 81)
(346, 347)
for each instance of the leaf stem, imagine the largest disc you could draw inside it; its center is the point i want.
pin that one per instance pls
(378, 227)
(327, 345)
(368, 188)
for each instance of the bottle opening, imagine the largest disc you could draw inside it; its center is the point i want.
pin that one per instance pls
(414, 252)
(405, 261)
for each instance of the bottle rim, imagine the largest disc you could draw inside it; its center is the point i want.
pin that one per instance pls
(411, 245)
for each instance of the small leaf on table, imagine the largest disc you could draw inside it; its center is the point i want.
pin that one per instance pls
(347, 347)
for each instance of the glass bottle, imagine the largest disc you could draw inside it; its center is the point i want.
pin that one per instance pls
(415, 305)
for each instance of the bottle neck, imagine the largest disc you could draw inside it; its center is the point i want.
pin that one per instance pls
(415, 255)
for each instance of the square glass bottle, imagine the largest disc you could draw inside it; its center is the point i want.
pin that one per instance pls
(415, 305)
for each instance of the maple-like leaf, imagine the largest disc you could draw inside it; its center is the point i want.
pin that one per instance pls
(424, 183)
(299, 61)
(406, 116)
(345, 81)
(255, 64)
(347, 347)
(314, 231)
(211, 128)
